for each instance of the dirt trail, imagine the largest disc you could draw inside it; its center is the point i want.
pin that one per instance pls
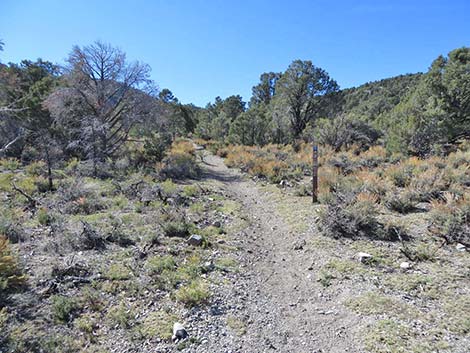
(278, 294)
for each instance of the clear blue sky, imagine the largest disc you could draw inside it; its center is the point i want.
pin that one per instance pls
(201, 49)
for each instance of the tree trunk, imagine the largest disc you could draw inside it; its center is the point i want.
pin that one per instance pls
(49, 170)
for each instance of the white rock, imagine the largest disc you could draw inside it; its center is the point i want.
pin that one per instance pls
(364, 257)
(179, 332)
(195, 240)
(460, 247)
(405, 265)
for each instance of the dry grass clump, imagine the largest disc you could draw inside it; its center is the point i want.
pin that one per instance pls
(180, 161)
(399, 183)
(10, 274)
(182, 147)
(216, 147)
(328, 178)
(194, 293)
(373, 183)
(400, 174)
(430, 183)
(269, 162)
(451, 218)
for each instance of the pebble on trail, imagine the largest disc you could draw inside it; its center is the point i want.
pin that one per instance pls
(179, 332)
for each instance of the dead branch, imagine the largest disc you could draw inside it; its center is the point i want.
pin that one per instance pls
(32, 201)
(9, 144)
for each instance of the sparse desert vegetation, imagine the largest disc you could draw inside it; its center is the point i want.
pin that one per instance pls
(407, 213)
(101, 257)
(133, 222)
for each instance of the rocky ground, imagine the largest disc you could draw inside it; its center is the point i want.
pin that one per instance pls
(276, 302)
(274, 282)
(298, 291)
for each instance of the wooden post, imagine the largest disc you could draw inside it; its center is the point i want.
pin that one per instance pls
(315, 173)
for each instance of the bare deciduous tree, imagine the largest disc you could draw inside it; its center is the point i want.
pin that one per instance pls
(104, 97)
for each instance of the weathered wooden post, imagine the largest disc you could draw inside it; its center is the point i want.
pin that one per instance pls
(315, 173)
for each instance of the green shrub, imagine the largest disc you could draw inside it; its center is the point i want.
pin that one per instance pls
(402, 202)
(194, 293)
(156, 264)
(44, 218)
(36, 168)
(10, 164)
(42, 184)
(180, 166)
(325, 278)
(176, 228)
(350, 214)
(91, 298)
(400, 175)
(155, 147)
(63, 308)
(87, 205)
(118, 272)
(191, 190)
(120, 315)
(10, 225)
(86, 323)
(304, 190)
(451, 220)
(158, 324)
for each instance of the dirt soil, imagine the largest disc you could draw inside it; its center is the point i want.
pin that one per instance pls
(279, 303)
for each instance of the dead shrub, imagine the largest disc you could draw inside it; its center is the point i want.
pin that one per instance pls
(90, 238)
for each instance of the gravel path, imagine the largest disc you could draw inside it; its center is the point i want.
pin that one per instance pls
(276, 293)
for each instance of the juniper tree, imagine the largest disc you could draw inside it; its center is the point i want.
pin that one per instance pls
(25, 123)
(298, 92)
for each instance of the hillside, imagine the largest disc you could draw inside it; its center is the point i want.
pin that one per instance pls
(372, 99)
(130, 222)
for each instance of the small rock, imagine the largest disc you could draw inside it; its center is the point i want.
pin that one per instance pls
(364, 257)
(423, 206)
(195, 240)
(299, 244)
(208, 266)
(179, 332)
(460, 247)
(405, 265)
(215, 310)
(217, 224)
